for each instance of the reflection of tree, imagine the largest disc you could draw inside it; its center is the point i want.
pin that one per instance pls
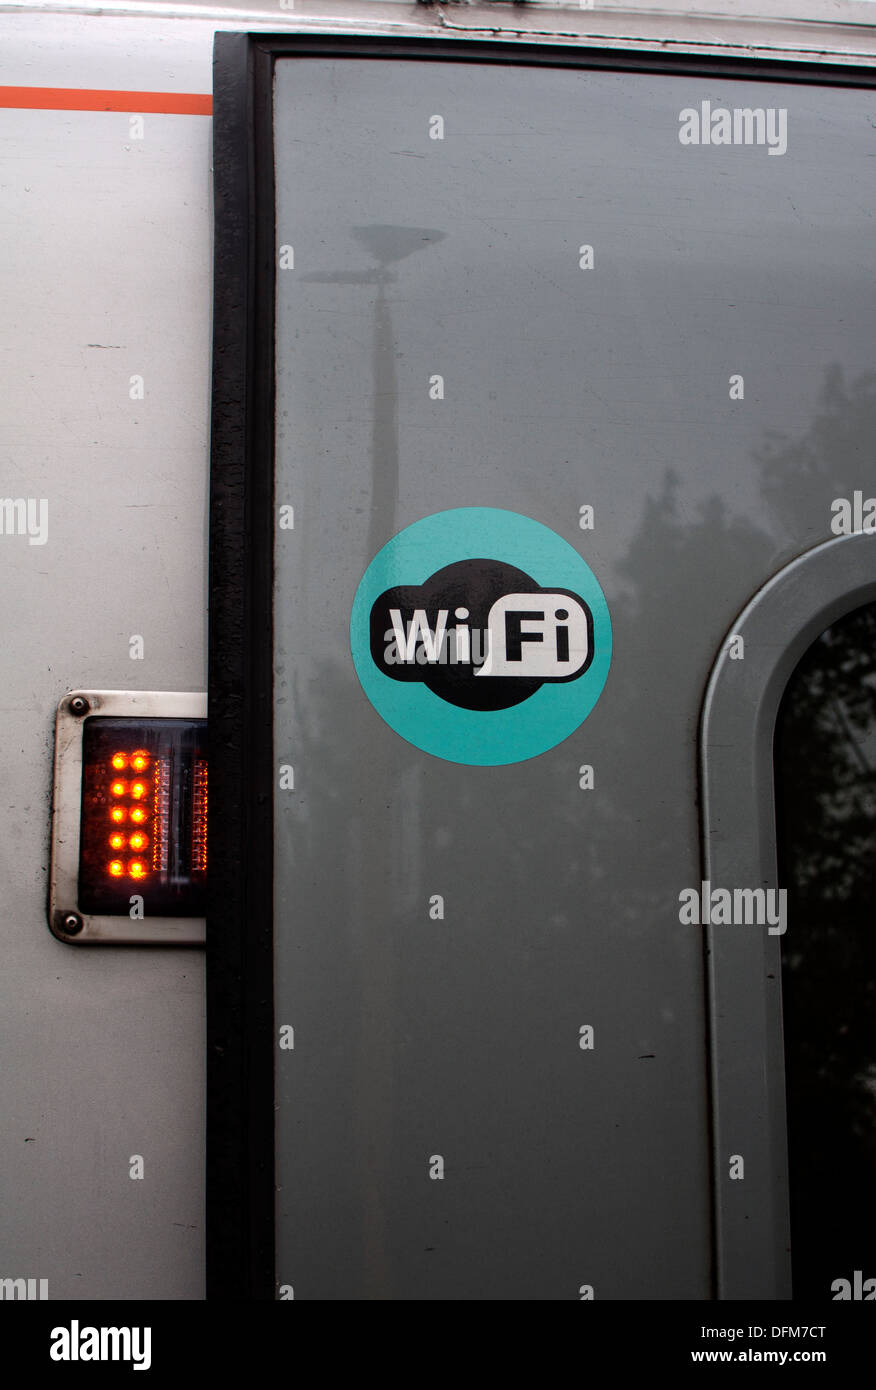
(826, 788)
(800, 478)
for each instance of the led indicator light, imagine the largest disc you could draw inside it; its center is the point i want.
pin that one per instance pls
(154, 820)
(199, 817)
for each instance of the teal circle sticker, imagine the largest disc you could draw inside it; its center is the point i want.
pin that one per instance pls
(481, 636)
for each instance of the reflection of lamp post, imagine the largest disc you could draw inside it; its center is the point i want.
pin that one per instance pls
(387, 245)
(369, 857)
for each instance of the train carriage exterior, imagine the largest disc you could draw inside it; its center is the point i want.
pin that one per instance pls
(445, 431)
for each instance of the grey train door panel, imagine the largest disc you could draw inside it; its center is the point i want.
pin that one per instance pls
(515, 336)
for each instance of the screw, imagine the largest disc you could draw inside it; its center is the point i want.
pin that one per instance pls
(72, 923)
(79, 705)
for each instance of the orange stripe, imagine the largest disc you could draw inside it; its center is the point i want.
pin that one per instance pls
(90, 99)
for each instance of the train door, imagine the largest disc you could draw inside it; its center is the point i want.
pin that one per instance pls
(504, 339)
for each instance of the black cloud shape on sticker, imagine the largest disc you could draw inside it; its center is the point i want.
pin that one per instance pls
(436, 634)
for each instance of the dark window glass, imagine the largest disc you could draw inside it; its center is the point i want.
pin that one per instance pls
(825, 766)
